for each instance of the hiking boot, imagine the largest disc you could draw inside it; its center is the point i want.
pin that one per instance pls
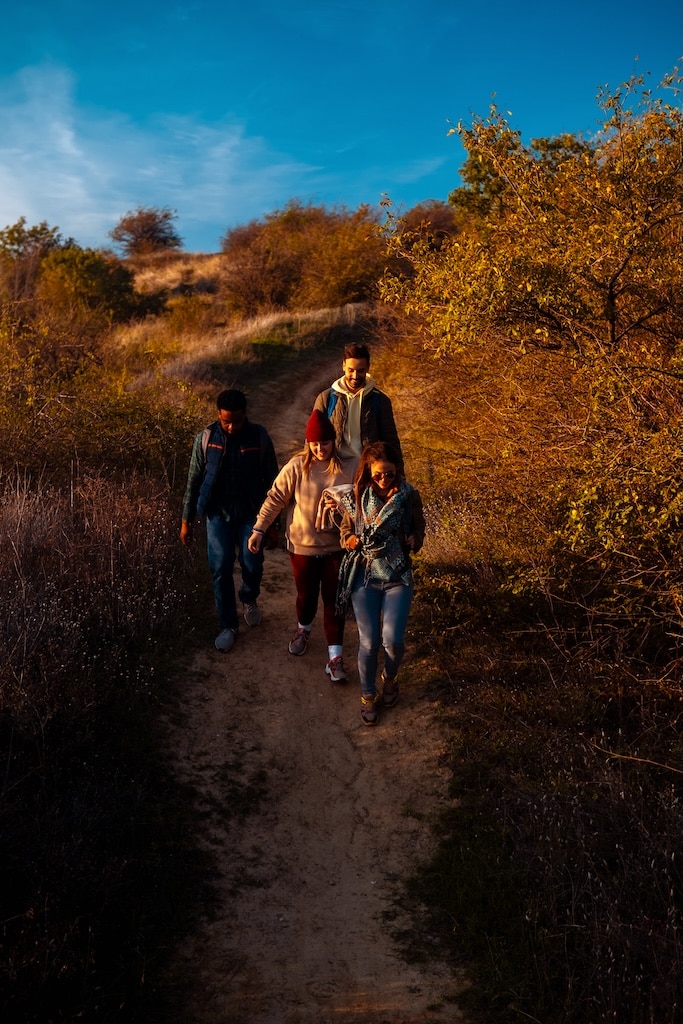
(225, 640)
(299, 642)
(389, 691)
(369, 708)
(252, 614)
(335, 670)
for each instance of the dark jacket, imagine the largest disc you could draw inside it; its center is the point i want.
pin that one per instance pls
(377, 417)
(253, 470)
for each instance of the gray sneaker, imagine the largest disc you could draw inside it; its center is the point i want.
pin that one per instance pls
(299, 642)
(225, 640)
(252, 614)
(335, 670)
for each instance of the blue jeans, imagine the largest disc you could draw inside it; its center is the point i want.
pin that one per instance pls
(223, 541)
(381, 613)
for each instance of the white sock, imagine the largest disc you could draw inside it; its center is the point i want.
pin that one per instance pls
(334, 651)
(307, 628)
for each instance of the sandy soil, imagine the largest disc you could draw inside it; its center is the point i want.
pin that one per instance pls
(303, 927)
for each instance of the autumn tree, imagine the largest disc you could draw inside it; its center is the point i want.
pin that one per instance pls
(579, 255)
(588, 249)
(486, 191)
(146, 230)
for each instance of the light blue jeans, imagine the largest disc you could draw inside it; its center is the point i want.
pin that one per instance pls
(381, 613)
(224, 540)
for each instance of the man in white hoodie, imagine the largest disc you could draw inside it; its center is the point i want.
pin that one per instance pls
(358, 410)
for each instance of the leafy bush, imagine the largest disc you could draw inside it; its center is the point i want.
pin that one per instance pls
(576, 262)
(303, 257)
(536, 378)
(78, 279)
(22, 251)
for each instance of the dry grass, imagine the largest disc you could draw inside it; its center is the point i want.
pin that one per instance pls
(178, 272)
(92, 583)
(205, 348)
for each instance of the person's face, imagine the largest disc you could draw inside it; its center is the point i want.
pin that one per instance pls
(321, 450)
(231, 421)
(383, 476)
(355, 372)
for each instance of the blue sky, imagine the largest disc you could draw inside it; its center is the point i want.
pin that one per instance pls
(224, 110)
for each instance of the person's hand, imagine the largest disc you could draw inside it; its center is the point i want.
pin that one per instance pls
(186, 533)
(255, 541)
(352, 542)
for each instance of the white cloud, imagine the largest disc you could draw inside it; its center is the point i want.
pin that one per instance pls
(81, 169)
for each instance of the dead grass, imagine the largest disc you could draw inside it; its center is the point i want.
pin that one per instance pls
(178, 272)
(92, 855)
(207, 350)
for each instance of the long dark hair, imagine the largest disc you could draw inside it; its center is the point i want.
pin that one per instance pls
(378, 451)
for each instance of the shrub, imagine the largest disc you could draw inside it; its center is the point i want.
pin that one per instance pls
(75, 280)
(303, 257)
(570, 266)
(22, 251)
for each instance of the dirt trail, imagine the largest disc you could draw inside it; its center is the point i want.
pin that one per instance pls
(302, 930)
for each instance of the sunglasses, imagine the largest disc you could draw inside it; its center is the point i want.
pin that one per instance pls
(384, 476)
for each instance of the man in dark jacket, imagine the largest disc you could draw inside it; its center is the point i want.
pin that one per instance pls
(359, 411)
(232, 466)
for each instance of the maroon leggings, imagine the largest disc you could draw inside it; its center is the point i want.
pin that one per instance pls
(317, 575)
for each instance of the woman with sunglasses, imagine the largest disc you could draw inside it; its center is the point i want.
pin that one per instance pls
(382, 528)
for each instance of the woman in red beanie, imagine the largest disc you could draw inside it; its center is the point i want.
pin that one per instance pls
(312, 535)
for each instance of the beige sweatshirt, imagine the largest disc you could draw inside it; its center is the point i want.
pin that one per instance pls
(299, 495)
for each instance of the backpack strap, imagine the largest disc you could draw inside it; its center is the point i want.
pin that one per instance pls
(331, 402)
(334, 398)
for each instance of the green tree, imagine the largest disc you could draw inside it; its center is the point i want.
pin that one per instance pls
(85, 281)
(22, 250)
(584, 251)
(146, 230)
(582, 261)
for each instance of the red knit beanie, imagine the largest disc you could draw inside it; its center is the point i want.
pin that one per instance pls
(319, 427)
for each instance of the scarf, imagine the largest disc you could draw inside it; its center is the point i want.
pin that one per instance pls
(377, 524)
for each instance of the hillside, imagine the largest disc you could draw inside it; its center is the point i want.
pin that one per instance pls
(517, 817)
